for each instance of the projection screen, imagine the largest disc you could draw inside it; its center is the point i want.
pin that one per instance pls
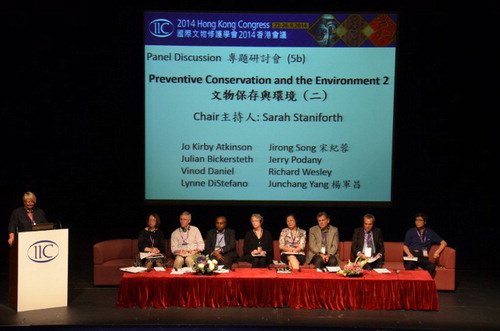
(267, 107)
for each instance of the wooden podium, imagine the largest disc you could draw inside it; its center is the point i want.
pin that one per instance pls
(38, 270)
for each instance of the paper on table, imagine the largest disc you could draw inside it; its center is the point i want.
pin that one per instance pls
(285, 270)
(160, 269)
(133, 270)
(382, 270)
(181, 271)
(333, 269)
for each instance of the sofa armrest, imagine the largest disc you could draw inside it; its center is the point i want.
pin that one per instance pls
(276, 250)
(113, 249)
(240, 243)
(447, 258)
(344, 250)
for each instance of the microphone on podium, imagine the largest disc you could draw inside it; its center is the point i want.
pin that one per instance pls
(58, 224)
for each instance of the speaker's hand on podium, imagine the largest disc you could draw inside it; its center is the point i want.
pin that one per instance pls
(11, 239)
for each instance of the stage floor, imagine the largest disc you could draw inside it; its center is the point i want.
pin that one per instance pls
(475, 305)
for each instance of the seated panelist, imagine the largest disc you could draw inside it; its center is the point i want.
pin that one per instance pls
(186, 242)
(323, 243)
(292, 243)
(417, 245)
(221, 243)
(258, 248)
(368, 243)
(151, 240)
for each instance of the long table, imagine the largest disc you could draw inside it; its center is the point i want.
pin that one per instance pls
(308, 289)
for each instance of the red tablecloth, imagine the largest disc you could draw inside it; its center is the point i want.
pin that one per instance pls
(247, 287)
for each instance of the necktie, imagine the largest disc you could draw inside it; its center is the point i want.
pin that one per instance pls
(30, 215)
(369, 242)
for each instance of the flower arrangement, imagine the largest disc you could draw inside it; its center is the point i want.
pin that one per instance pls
(203, 265)
(352, 269)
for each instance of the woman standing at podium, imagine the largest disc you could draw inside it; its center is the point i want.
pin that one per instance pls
(23, 218)
(151, 241)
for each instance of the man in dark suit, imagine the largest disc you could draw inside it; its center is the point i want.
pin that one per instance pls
(221, 243)
(367, 242)
(23, 218)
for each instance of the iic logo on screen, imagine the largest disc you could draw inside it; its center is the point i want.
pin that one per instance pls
(161, 28)
(43, 251)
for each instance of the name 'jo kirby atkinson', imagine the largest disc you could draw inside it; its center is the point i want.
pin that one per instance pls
(285, 117)
(216, 147)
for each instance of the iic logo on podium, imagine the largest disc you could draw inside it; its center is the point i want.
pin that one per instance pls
(43, 251)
